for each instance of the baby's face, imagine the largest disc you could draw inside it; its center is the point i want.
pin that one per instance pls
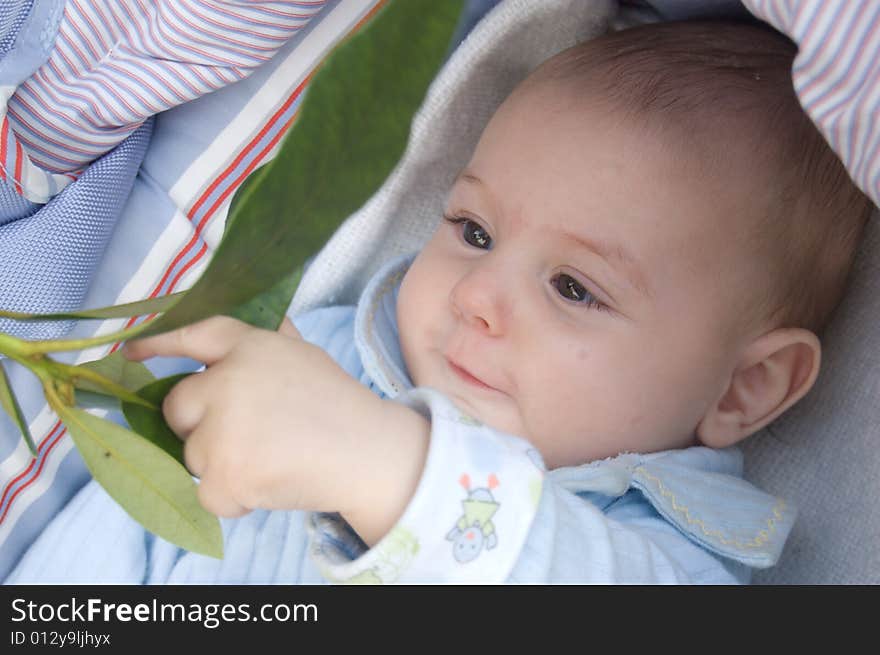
(576, 294)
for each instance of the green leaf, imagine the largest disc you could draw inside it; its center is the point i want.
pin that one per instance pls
(96, 400)
(268, 309)
(138, 308)
(100, 378)
(352, 130)
(150, 423)
(10, 404)
(115, 367)
(149, 484)
(128, 374)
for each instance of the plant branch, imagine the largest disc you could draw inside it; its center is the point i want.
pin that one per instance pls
(10, 344)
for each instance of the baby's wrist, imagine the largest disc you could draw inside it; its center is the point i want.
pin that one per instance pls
(387, 477)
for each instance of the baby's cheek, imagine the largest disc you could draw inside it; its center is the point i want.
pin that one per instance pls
(576, 401)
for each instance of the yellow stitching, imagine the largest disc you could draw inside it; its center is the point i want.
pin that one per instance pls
(762, 537)
(389, 284)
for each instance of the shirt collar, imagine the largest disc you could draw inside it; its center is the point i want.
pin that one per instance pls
(375, 328)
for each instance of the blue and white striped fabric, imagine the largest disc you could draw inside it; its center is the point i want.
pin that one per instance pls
(837, 75)
(116, 63)
(158, 241)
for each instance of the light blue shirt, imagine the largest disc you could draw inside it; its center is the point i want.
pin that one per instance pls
(485, 509)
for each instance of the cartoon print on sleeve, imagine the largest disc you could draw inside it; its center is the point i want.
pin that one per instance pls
(393, 554)
(536, 485)
(475, 530)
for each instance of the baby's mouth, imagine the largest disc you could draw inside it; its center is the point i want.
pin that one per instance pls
(468, 377)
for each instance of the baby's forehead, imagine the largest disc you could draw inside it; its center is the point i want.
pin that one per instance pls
(573, 163)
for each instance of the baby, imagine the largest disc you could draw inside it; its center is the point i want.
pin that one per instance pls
(629, 278)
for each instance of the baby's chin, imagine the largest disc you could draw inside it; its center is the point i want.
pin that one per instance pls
(498, 411)
(500, 416)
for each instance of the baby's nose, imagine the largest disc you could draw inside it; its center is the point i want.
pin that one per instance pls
(478, 301)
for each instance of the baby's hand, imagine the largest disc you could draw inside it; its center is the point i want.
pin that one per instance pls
(275, 423)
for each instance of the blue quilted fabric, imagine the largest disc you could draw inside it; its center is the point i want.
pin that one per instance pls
(47, 257)
(12, 17)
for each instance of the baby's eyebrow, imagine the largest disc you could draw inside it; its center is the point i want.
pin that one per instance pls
(612, 253)
(467, 176)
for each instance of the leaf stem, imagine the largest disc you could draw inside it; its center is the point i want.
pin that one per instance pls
(10, 344)
(74, 374)
(15, 316)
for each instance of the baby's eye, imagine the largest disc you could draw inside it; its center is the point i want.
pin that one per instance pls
(476, 235)
(472, 232)
(572, 290)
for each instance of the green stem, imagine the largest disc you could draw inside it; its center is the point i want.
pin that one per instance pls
(10, 344)
(13, 348)
(52, 396)
(74, 374)
(15, 316)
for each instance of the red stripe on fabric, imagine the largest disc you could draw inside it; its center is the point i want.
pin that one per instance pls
(368, 17)
(141, 79)
(36, 475)
(242, 46)
(88, 101)
(86, 40)
(4, 129)
(220, 179)
(235, 183)
(259, 35)
(819, 41)
(40, 117)
(846, 23)
(211, 58)
(63, 35)
(46, 86)
(28, 469)
(180, 255)
(188, 266)
(229, 189)
(118, 23)
(250, 146)
(45, 134)
(247, 171)
(96, 33)
(19, 155)
(251, 18)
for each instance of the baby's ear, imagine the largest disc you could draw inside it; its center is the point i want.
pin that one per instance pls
(774, 372)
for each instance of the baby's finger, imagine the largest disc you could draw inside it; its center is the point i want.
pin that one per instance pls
(215, 498)
(185, 405)
(206, 341)
(195, 457)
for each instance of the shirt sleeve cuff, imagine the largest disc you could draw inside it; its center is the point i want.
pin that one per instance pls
(468, 519)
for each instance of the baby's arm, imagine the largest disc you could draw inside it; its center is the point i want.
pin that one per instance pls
(485, 511)
(275, 423)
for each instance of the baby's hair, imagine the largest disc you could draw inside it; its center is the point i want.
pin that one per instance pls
(723, 86)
